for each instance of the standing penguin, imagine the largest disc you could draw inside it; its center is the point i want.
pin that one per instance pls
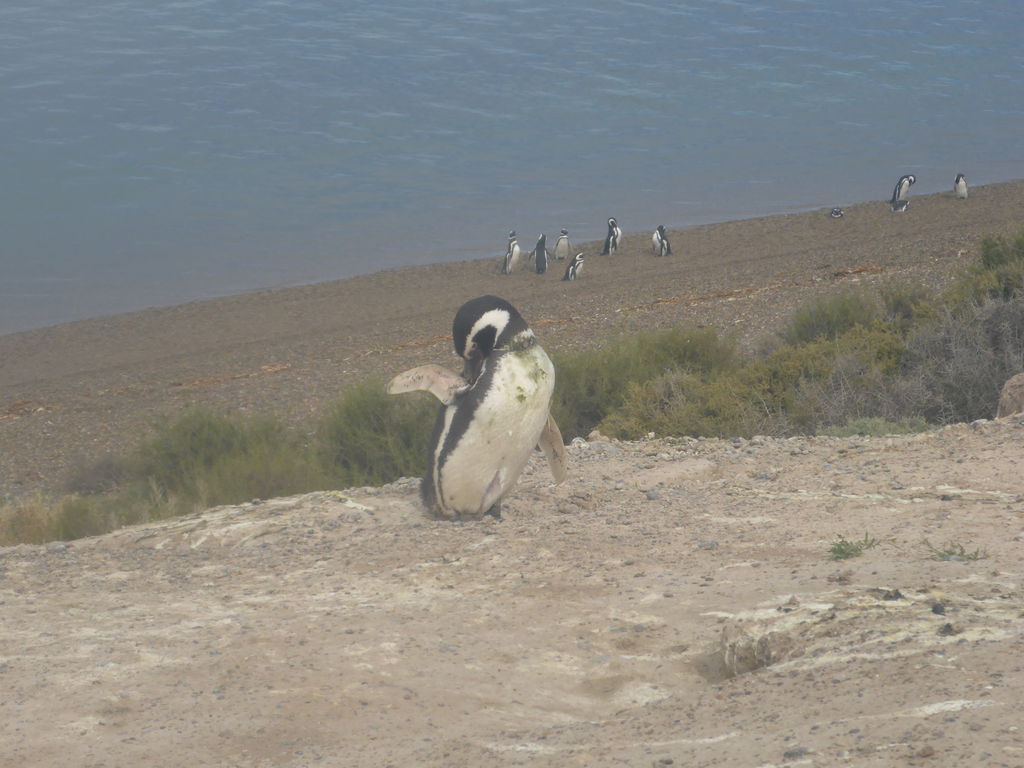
(960, 187)
(659, 240)
(611, 241)
(900, 192)
(511, 254)
(491, 417)
(540, 255)
(563, 246)
(575, 267)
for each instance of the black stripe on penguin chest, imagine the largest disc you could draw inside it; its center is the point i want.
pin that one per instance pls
(468, 406)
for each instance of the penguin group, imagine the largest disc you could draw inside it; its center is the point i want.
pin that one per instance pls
(492, 415)
(900, 200)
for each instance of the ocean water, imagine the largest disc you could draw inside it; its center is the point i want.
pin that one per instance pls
(156, 153)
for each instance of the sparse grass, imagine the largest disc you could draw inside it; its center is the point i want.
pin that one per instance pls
(843, 549)
(954, 551)
(873, 426)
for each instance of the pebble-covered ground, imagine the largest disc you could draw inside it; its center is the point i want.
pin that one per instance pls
(673, 603)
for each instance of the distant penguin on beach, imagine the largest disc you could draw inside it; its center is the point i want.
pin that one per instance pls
(540, 255)
(575, 267)
(611, 241)
(901, 191)
(563, 246)
(511, 261)
(659, 241)
(836, 213)
(960, 187)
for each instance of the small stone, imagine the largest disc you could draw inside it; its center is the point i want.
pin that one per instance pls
(948, 629)
(939, 608)
(653, 495)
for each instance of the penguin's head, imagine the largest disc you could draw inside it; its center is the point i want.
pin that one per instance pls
(512, 235)
(611, 223)
(959, 178)
(565, 231)
(911, 179)
(481, 326)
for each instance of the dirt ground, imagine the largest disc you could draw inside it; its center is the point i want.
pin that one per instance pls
(672, 603)
(72, 393)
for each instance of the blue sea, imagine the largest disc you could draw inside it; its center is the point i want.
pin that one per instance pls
(157, 153)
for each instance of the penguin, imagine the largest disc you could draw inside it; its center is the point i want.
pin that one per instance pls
(659, 240)
(563, 246)
(836, 213)
(511, 254)
(611, 242)
(539, 257)
(575, 267)
(960, 187)
(491, 417)
(902, 188)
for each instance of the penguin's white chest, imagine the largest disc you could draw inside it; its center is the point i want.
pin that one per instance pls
(511, 412)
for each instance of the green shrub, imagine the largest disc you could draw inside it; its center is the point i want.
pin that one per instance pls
(830, 317)
(592, 384)
(872, 426)
(208, 459)
(905, 306)
(370, 437)
(998, 251)
(680, 404)
(999, 274)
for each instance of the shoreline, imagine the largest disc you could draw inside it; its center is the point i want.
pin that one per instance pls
(588, 245)
(72, 393)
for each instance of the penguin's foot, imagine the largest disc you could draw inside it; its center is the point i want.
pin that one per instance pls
(494, 511)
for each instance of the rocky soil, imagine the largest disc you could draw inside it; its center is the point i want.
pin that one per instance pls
(673, 603)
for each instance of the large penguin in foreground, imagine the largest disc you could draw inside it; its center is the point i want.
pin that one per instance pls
(491, 417)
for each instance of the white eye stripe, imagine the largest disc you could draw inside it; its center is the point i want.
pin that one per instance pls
(499, 318)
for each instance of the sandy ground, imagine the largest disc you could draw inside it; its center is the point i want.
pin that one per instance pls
(672, 603)
(71, 393)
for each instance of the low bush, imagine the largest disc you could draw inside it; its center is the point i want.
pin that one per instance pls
(592, 384)
(370, 437)
(830, 317)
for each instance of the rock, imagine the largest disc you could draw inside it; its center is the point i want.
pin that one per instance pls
(1011, 399)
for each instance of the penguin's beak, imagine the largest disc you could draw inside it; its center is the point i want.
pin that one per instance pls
(474, 364)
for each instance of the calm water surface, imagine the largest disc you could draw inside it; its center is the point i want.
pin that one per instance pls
(159, 153)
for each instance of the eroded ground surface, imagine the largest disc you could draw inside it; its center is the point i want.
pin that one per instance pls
(672, 603)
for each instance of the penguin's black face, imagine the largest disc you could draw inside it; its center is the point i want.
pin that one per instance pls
(481, 326)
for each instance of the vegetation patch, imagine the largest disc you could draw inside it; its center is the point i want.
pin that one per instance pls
(843, 549)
